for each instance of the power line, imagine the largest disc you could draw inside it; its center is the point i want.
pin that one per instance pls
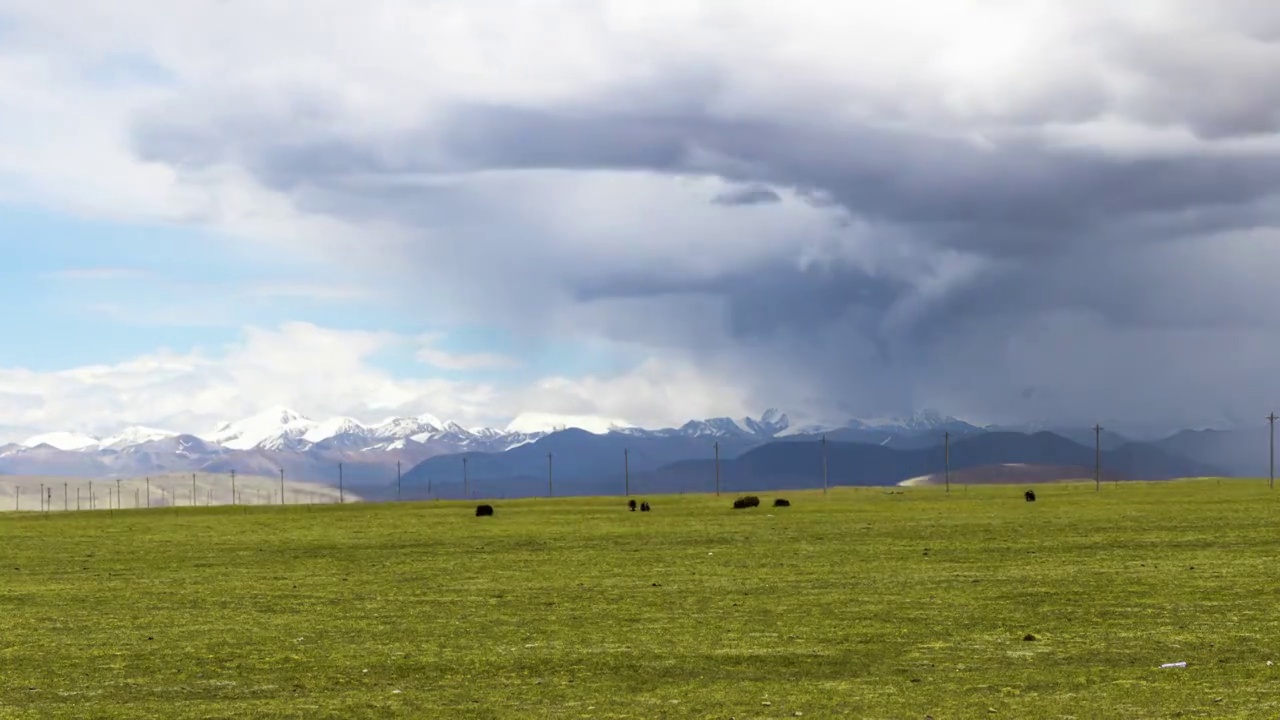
(717, 447)
(824, 465)
(1272, 483)
(946, 444)
(1097, 457)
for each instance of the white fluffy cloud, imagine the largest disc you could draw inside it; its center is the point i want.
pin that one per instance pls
(324, 373)
(847, 209)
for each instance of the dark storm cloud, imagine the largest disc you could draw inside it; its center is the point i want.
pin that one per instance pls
(766, 300)
(1014, 196)
(752, 195)
(1020, 265)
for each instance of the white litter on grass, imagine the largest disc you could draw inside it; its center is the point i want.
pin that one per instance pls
(1174, 665)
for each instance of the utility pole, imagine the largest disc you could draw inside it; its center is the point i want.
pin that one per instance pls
(1272, 419)
(1097, 458)
(193, 487)
(465, 491)
(946, 444)
(342, 497)
(119, 499)
(149, 492)
(550, 488)
(65, 494)
(41, 497)
(281, 486)
(824, 464)
(717, 447)
(397, 481)
(626, 471)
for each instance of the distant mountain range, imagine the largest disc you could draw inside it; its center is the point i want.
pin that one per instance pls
(585, 464)
(755, 453)
(283, 439)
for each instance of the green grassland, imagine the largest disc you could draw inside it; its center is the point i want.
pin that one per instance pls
(869, 603)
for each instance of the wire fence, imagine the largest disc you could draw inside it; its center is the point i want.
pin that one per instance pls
(53, 494)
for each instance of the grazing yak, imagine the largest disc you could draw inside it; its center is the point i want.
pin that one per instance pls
(484, 510)
(631, 504)
(1030, 495)
(779, 502)
(748, 501)
(644, 506)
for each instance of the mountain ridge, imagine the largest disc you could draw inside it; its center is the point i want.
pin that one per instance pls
(654, 465)
(279, 438)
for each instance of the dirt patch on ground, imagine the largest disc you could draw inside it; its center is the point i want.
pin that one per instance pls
(1011, 474)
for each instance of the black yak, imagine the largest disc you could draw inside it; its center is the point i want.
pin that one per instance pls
(484, 510)
(747, 501)
(631, 504)
(779, 502)
(1030, 495)
(644, 506)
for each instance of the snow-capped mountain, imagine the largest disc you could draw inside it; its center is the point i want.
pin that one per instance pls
(277, 428)
(62, 441)
(281, 438)
(402, 428)
(281, 429)
(922, 421)
(79, 441)
(921, 429)
(429, 453)
(339, 427)
(771, 424)
(136, 435)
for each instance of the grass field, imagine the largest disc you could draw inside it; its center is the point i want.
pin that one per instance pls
(872, 603)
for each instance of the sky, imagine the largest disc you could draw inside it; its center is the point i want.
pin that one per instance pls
(518, 213)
